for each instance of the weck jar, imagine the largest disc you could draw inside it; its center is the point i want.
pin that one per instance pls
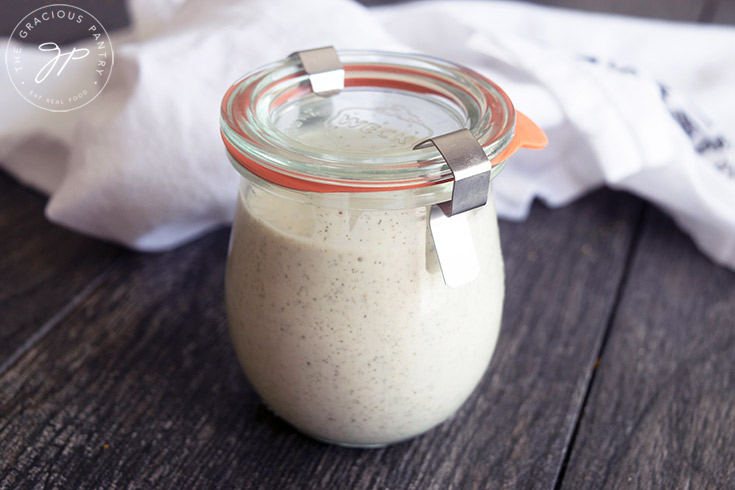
(342, 295)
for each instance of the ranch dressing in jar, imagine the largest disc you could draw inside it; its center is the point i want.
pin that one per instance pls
(340, 291)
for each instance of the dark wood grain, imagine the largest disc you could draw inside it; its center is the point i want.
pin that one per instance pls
(112, 14)
(43, 267)
(661, 412)
(139, 387)
(682, 10)
(720, 12)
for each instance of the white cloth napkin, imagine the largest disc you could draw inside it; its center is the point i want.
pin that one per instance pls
(621, 100)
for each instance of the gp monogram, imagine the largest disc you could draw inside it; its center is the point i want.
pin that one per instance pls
(54, 76)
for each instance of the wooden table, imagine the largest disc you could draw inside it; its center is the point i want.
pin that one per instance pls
(615, 367)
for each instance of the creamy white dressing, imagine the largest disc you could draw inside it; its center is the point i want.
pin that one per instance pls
(343, 324)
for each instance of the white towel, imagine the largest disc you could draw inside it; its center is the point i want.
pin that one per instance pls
(635, 104)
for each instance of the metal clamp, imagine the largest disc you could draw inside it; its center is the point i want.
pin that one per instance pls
(450, 228)
(470, 168)
(326, 74)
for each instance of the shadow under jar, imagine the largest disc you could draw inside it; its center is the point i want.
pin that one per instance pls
(337, 305)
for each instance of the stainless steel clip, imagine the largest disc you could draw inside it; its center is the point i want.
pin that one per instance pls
(471, 170)
(326, 74)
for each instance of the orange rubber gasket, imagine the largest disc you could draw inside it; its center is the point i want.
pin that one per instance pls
(527, 135)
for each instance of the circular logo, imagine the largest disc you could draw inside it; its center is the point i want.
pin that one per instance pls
(51, 73)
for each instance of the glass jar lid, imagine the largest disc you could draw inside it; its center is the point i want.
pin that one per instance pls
(362, 138)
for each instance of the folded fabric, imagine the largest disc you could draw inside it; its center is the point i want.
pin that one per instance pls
(143, 164)
(620, 99)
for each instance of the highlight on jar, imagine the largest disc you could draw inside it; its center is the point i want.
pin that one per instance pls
(364, 281)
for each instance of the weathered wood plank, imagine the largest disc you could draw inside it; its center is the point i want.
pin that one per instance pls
(43, 267)
(112, 14)
(682, 10)
(661, 412)
(719, 12)
(139, 388)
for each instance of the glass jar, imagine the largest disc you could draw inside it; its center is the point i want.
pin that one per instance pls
(337, 305)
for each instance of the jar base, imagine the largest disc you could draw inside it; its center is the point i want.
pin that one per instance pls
(357, 445)
(349, 445)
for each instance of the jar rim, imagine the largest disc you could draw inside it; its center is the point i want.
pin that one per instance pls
(253, 108)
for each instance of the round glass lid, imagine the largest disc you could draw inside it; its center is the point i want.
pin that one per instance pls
(361, 138)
